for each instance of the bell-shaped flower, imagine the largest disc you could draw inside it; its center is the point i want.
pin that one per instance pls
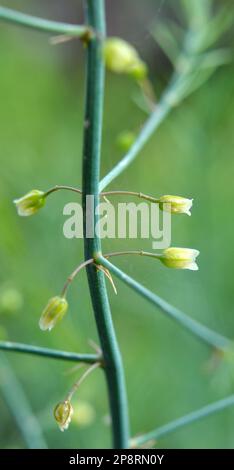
(122, 57)
(180, 258)
(63, 413)
(30, 203)
(175, 204)
(53, 312)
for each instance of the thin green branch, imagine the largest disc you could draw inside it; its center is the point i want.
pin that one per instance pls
(49, 353)
(20, 407)
(197, 329)
(40, 24)
(183, 421)
(95, 17)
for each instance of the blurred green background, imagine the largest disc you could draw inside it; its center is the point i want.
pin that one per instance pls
(41, 112)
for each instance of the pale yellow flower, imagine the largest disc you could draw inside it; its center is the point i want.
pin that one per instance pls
(176, 204)
(30, 203)
(122, 57)
(63, 413)
(180, 258)
(53, 312)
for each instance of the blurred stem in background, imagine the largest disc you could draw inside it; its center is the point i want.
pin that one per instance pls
(19, 406)
(183, 421)
(192, 65)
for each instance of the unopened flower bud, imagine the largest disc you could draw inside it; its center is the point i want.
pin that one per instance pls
(63, 413)
(84, 414)
(138, 70)
(11, 300)
(53, 312)
(180, 258)
(125, 140)
(176, 204)
(122, 57)
(30, 203)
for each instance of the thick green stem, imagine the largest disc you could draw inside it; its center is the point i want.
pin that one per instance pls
(91, 163)
(48, 353)
(40, 24)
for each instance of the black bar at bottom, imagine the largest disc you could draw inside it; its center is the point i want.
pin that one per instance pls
(106, 458)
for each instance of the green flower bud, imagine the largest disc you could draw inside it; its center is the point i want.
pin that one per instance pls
(175, 204)
(125, 140)
(11, 300)
(53, 312)
(84, 414)
(138, 70)
(30, 203)
(180, 258)
(63, 413)
(121, 57)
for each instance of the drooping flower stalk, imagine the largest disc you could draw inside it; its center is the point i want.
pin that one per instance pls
(63, 411)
